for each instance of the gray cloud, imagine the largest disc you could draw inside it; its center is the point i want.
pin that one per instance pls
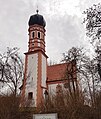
(62, 31)
(13, 23)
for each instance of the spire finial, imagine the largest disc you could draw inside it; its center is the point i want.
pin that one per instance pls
(37, 9)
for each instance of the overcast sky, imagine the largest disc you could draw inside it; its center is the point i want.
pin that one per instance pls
(64, 27)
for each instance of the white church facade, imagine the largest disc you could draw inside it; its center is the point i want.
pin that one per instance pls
(39, 78)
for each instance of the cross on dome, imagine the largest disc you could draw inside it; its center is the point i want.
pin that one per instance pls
(37, 11)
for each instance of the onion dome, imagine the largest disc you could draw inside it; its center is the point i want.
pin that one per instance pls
(37, 19)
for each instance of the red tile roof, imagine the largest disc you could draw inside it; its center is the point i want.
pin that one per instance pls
(56, 72)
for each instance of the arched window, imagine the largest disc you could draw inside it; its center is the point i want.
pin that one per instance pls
(39, 35)
(33, 34)
(58, 89)
(46, 94)
(30, 95)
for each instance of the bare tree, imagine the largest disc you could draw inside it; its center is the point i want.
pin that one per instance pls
(93, 21)
(9, 108)
(83, 73)
(73, 58)
(65, 106)
(11, 69)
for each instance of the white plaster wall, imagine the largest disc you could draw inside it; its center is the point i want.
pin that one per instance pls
(31, 82)
(44, 71)
(52, 88)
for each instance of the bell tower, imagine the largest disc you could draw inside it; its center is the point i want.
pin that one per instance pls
(34, 84)
(37, 33)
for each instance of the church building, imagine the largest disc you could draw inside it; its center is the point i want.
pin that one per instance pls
(39, 78)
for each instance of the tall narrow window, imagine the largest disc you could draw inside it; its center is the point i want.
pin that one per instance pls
(30, 95)
(58, 89)
(39, 35)
(33, 34)
(46, 95)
